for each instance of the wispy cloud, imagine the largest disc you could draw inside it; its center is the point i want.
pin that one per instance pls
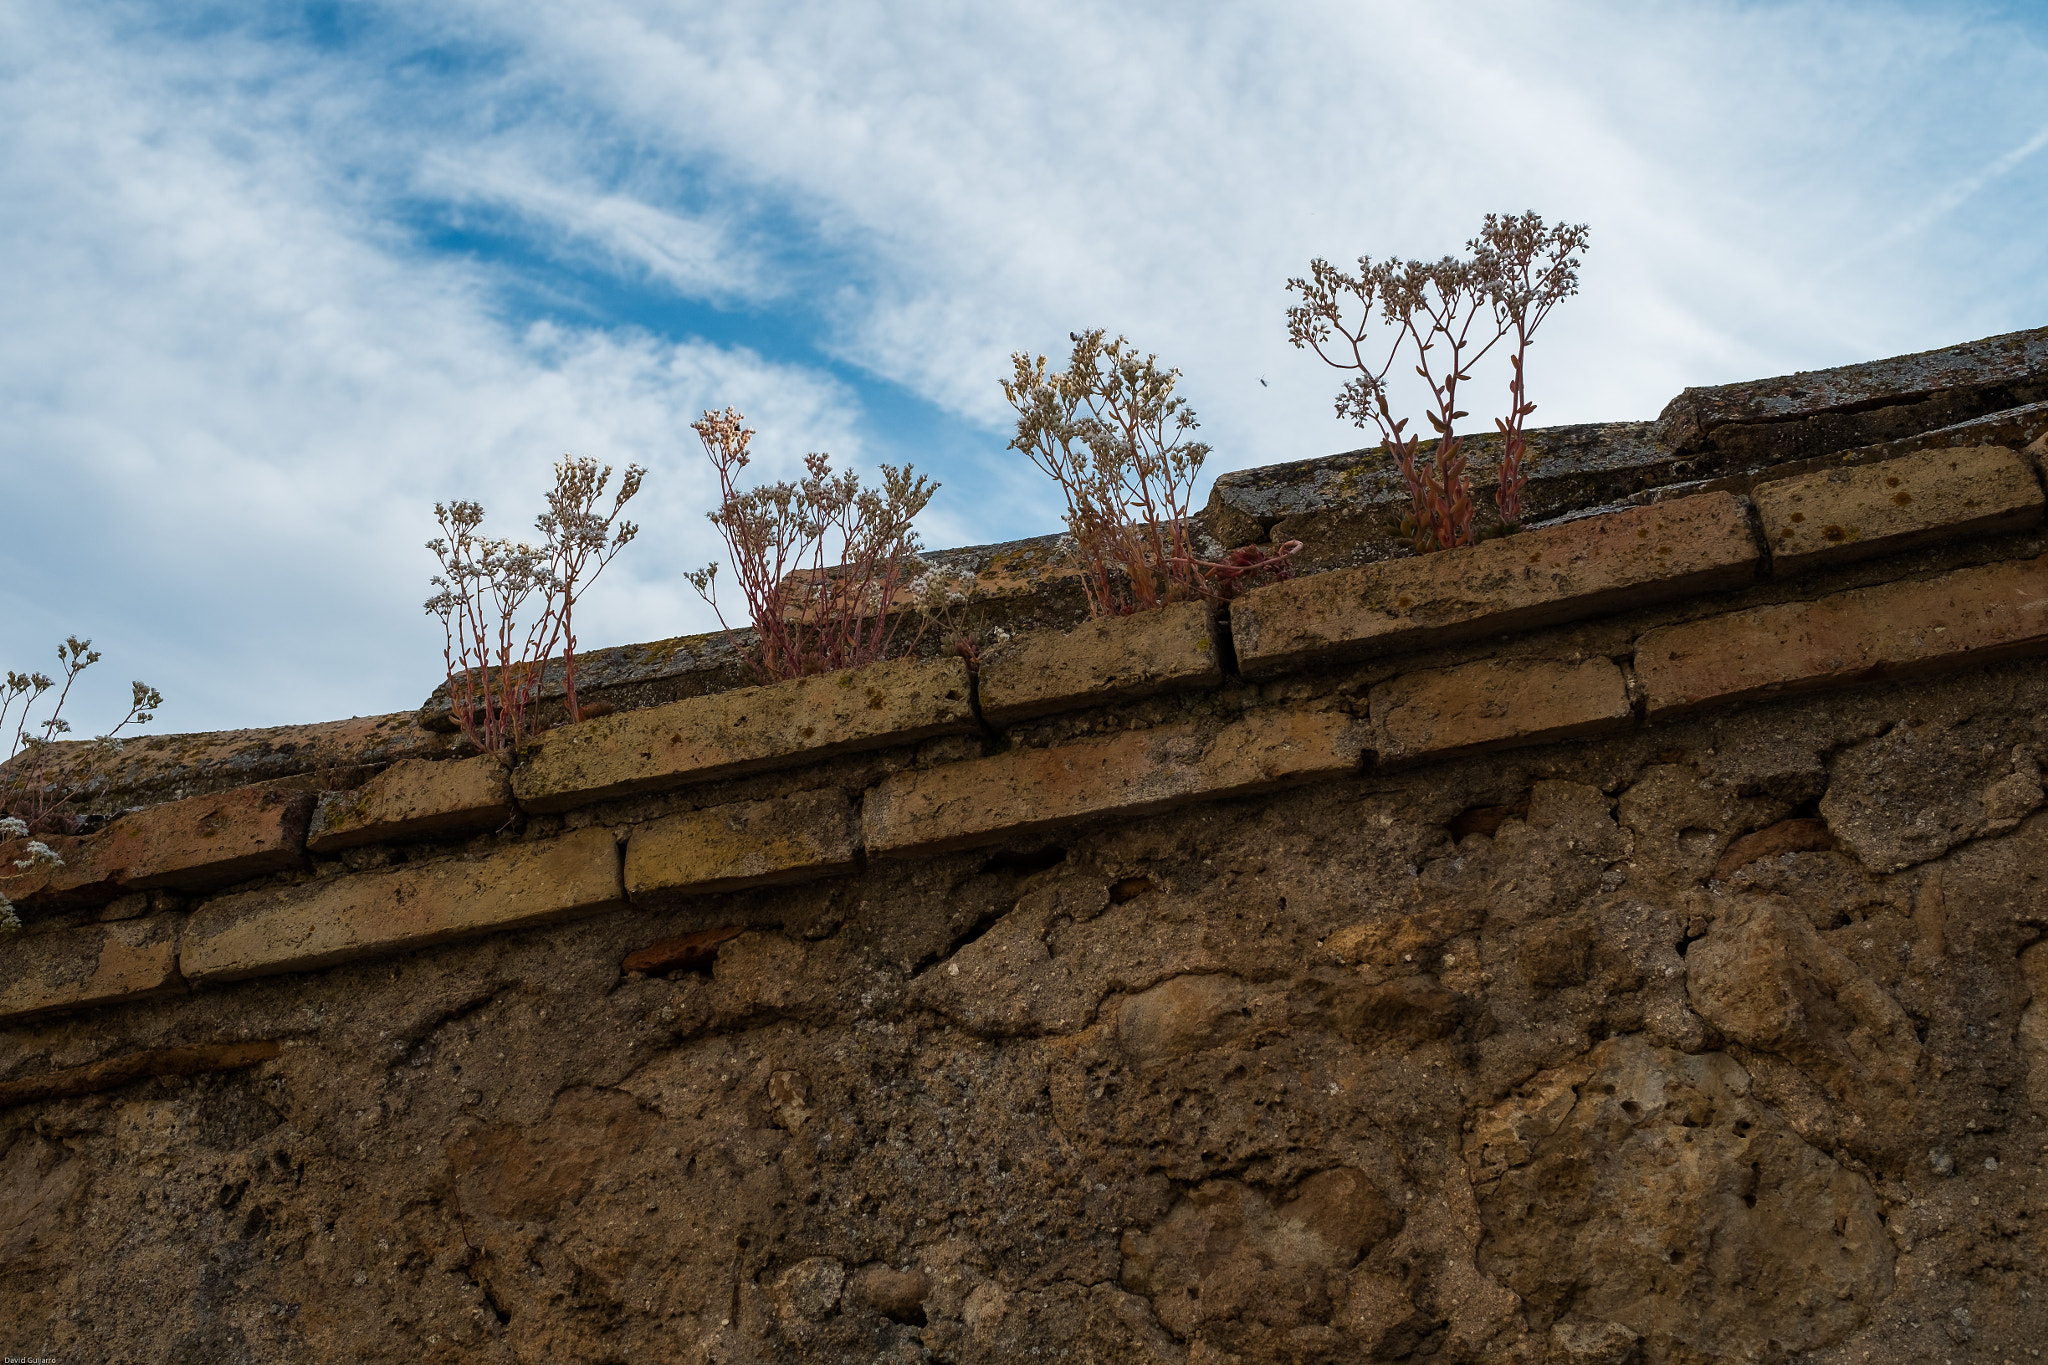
(280, 279)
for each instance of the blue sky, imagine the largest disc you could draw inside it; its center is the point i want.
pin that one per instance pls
(278, 278)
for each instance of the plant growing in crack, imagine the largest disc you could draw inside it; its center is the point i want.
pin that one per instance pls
(506, 607)
(825, 564)
(1450, 314)
(1109, 430)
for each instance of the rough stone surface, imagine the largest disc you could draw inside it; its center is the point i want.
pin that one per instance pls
(204, 842)
(1025, 791)
(749, 843)
(301, 928)
(1478, 1061)
(72, 968)
(415, 799)
(1562, 573)
(1869, 399)
(1854, 513)
(327, 756)
(777, 725)
(1111, 659)
(1492, 704)
(1895, 630)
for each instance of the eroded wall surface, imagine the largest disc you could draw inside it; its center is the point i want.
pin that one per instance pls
(1714, 1043)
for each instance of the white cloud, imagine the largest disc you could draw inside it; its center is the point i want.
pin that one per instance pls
(237, 381)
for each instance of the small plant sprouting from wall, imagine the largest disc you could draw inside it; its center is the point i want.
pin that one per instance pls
(506, 607)
(1111, 433)
(32, 799)
(824, 564)
(1450, 314)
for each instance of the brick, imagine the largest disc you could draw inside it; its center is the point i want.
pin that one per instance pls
(83, 879)
(984, 801)
(1539, 578)
(746, 843)
(416, 799)
(1495, 704)
(205, 842)
(1837, 515)
(1115, 658)
(1895, 630)
(98, 964)
(755, 728)
(368, 914)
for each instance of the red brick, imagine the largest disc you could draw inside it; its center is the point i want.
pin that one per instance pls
(1583, 568)
(1497, 704)
(1895, 630)
(982, 801)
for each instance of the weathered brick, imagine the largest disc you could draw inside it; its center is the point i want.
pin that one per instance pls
(206, 841)
(340, 919)
(746, 843)
(98, 964)
(773, 726)
(1894, 630)
(1561, 573)
(1837, 515)
(416, 799)
(81, 879)
(986, 800)
(1114, 658)
(1496, 704)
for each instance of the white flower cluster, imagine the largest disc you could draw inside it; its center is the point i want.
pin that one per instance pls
(40, 854)
(11, 828)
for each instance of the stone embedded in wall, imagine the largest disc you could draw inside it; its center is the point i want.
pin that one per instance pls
(748, 843)
(1893, 630)
(1114, 658)
(1228, 1254)
(95, 965)
(207, 841)
(1838, 515)
(2016, 360)
(416, 799)
(1717, 1232)
(772, 726)
(364, 914)
(1927, 785)
(1496, 703)
(981, 801)
(1601, 564)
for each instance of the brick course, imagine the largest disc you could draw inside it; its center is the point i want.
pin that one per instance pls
(1024, 791)
(1540, 578)
(1838, 515)
(1894, 630)
(301, 928)
(1494, 704)
(754, 728)
(94, 965)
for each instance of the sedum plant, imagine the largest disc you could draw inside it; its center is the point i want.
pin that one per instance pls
(1448, 315)
(506, 607)
(823, 562)
(1111, 433)
(35, 794)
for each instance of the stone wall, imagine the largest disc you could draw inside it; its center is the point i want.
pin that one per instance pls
(1618, 941)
